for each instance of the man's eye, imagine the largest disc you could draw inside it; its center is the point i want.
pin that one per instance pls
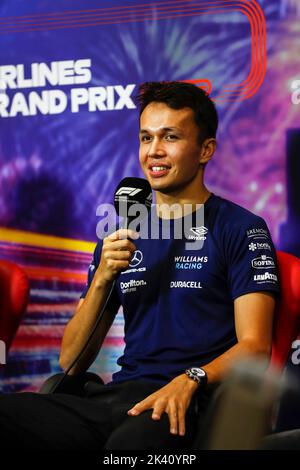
(171, 137)
(145, 138)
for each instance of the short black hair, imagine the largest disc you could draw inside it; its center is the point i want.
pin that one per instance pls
(178, 95)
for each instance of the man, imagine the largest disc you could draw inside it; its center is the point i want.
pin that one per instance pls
(189, 314)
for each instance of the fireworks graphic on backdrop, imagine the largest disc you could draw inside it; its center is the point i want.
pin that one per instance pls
(78, 159)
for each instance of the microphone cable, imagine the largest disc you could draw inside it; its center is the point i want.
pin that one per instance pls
(99, 318)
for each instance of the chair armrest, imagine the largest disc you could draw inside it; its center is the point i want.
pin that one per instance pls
(72, 385)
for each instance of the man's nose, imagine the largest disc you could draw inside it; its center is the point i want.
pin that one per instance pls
(156, 148)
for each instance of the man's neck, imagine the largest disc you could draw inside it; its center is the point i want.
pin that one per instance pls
(173, 206)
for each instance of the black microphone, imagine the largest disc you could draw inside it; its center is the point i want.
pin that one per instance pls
(132, 192)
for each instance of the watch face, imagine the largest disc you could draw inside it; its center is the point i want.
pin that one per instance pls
(198, 371)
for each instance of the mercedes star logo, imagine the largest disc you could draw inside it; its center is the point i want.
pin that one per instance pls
(136, 259)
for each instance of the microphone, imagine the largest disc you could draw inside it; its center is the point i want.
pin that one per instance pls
(130, 192)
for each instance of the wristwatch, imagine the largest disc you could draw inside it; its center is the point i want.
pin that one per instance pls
(197, 374)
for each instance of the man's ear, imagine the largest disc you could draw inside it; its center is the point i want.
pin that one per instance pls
(207, 150)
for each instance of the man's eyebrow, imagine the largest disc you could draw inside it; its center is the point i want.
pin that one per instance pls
(165, 129)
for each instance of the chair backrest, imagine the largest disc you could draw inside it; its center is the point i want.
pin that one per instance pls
(14, 292)
(287, 313)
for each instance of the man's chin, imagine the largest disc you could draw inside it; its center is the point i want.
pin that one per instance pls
(157, 184)
(161, 187)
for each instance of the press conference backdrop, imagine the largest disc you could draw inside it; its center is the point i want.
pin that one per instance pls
(68, 134)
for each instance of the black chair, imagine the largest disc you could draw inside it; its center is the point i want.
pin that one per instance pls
(72, 384)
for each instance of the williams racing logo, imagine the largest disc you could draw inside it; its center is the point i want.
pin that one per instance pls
(190, 262)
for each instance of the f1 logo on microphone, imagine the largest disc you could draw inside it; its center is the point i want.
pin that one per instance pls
(128, 191)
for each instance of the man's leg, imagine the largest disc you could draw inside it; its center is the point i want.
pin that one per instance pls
(51, 422)
(143, 433)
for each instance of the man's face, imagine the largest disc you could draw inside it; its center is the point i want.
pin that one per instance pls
(169, 148)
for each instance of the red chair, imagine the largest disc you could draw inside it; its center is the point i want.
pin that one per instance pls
(287, 313)
(14, 293)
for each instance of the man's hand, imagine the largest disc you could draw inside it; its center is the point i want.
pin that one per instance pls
(173, 399)
(117, 250)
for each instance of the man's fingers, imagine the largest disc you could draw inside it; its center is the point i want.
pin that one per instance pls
(118, 255)
(118, 245)
(177, 419)
(121, 245)
(175, 411)
(123, 233)
(173, 418)
(138, 408)
(158, 410)
(181, 421)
